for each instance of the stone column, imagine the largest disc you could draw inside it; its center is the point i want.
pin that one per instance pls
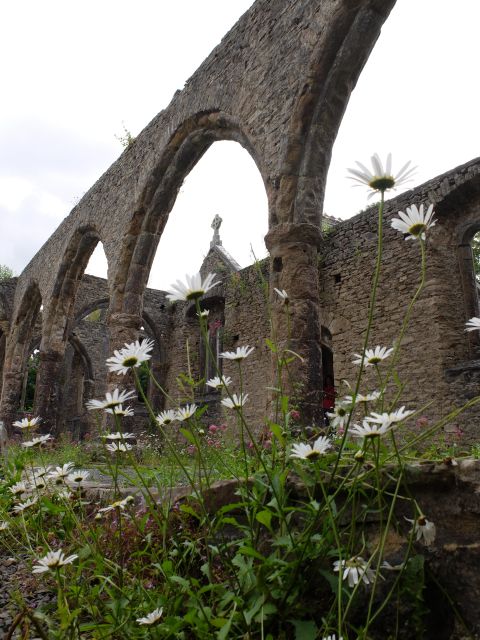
(11, 395)
(293, 249)
(48, 388)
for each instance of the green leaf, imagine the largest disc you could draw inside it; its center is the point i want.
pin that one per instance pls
(305, 629)
(265, 518)
(271, 345)
(188, 435)
(251, 553)
(277, 431)
(186, 508)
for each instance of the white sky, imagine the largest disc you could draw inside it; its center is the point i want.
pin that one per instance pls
(73, 71)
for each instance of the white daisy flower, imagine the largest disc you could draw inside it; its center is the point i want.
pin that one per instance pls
(27, 423)
(283, 295)
(219, 383)
(184, 413)
(37, 442)
(78, 477)
(373, 356)
(423, 530)
(52, 561)
(151, 618)
(4, 525)
(368, 430)
(360, 397)
(59, 474)
(64, 494)
(119, 504)
(166, 417)
(118, 435)
(19, 488)
(473, 324)
(22, 506)
(414, 223)
(339, 417)
(240, 354)
(309, 452)
(111, 400)
(235, 402)
(332, 637)
(381, 179)
(131, 355)
(120, 411)
(204, 313)
(387, 419)
(194, 288)
(121, 447)
(354, 570)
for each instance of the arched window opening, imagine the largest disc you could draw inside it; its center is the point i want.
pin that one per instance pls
(97, 263)
(215, 186)
(27, 402)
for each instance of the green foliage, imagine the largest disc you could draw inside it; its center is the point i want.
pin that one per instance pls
(5, 272)
(126, 139)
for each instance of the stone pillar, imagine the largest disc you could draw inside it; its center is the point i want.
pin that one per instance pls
(293, 249)
(11, 396)
(48, 388)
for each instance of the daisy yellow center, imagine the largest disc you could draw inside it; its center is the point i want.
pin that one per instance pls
(372, 434)
(422, 521)
(417, 229)
(194, 295)
(341, 412)
(381, 183)
(313, 455)
(374, 360)
(130, 362)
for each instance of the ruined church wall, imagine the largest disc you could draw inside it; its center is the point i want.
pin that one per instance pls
(435, 340)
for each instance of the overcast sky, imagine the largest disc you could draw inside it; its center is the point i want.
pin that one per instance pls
(73, 71)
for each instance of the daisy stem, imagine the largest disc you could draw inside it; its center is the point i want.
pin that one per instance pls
(371, 309)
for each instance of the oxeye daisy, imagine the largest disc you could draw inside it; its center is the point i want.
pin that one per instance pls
(381, 179)
(111, 400)
(18, 489)
(119, 504)
(387, 419)
(235, 402)
(186, 412)
(423, 530)
(308, 452)
(368, 430)
(22, 506)
(373, 356)
(194, 288)
(118, 435)
(473, 324)
(151, 618)
(354, 570)
(118, 410)
(118, 447)
(363, 397)
(77, 478)
(240, 354)
(37, 442)
(27, 423)
(283, 295)
(219, 383)
(59, 474)
(414, 223)
(132, 355)
(52, 561)
(166, 417)
(339, 417)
